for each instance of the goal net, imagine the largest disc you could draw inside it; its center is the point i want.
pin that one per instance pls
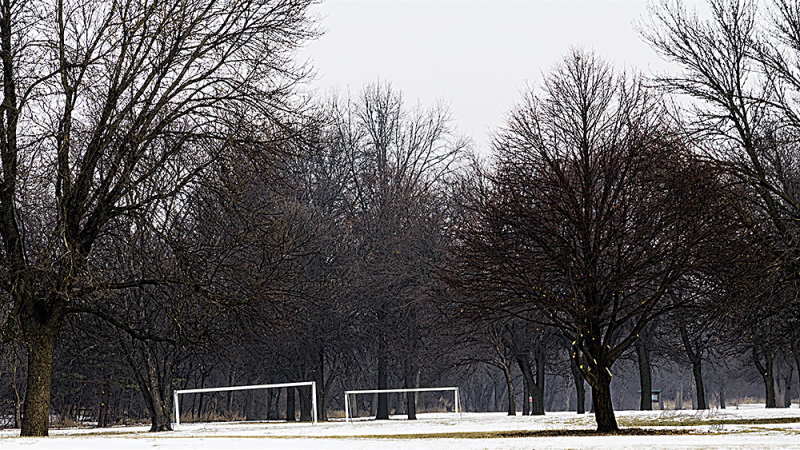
(313, 386)
(351, 395)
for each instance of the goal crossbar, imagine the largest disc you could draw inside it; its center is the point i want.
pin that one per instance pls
(390, 391)
(313, 385)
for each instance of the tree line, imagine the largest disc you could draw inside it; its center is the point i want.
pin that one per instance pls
(174, 213)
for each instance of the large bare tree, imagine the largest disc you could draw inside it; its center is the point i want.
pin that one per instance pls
(110, 107)
(399, 159)
(593, 209)
(740, 70)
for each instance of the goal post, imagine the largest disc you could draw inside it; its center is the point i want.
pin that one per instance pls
(177, 393)
(347, 395)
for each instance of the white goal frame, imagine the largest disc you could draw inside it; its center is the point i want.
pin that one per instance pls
(313, 385)
(347, 395)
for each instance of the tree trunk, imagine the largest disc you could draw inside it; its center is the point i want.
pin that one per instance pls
(40, 342)
(248, 409)
(796, 354)
(722, 394)
(580, 390)
(493, 398)
(17, 397)
(410, 368)
(273, 404)
(155, 391)
(645, 378)
(290, 407)
(322, 386)
(159, 414)
(160, 377)
(383, 404)
(17, 413)
(322, 400)
(229, 402)
(766, 375)
(103, 408)
(158, 387)
(697, 370)
(304, 393)
(769, 387)
(597, 372)
(786, 398)
(512, 405)
(201, 397)
(538, 385)
(529, 384)
(695, 357)
(411, 398)
(603, 407)
(411, 405)
(526, 394)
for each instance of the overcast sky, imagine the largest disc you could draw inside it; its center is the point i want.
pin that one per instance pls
(474, 55)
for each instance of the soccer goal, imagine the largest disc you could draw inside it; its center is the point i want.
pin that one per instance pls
(177, 393)
(347, 395)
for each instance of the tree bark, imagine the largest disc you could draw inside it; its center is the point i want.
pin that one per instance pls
(786, 398)
(290, 407)
(603, 407)
(528, 382)
(796, 354)
(304, 394)
(766, 375)
(493, 398)
(159, 414)
(697, 370)
(645, 378)
(153, 381)
(41, 334)
(597, 372)
(229, 401)
(159, 389)
(103, 409)
(322, 386)
(580, 389)
(696, 359)
(535, 385)
(273, 402)
(512, 406)
(383, 405)
(15, 388)
(411, 398)
(201, 397)
(526, 394)
(538, 385)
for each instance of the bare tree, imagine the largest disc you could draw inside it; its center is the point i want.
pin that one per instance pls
(109, 108)
(398, 159)
(741, 74)
(593, 209)
(740, 68)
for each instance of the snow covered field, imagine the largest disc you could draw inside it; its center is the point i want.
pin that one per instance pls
(710, 429)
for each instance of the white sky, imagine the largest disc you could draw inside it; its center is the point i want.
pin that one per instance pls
(474, 55)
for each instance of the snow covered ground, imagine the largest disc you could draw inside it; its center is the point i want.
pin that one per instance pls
(711, 429)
